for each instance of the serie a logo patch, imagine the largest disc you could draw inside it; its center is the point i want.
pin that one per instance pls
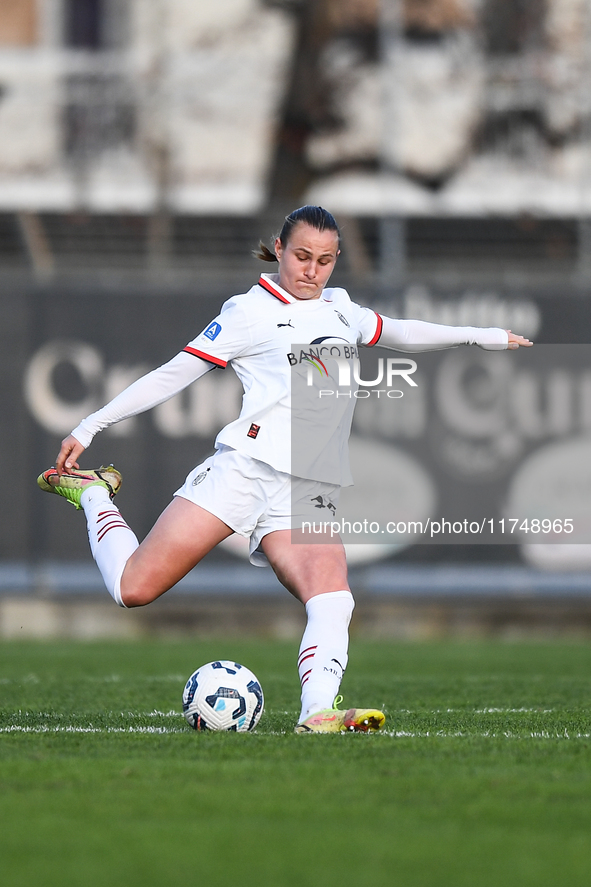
(213, 330)
(253, 430)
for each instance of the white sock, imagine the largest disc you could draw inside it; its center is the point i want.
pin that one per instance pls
(112, 542)
(323, 652)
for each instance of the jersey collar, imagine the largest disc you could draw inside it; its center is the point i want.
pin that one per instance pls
(269, 283)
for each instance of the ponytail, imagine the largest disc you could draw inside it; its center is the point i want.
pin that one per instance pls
(264, 253)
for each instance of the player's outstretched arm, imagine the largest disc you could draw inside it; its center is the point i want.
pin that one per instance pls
(69, 454)
(143, 394)
(147, 392)
(421, 335)
(516, 341)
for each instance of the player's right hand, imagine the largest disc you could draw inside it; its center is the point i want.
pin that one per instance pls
(69, 454)
(516, 341)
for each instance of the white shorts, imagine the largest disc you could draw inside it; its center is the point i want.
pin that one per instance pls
(254, 499)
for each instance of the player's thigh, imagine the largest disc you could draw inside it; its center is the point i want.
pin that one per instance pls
(183, 534)
(306, 569)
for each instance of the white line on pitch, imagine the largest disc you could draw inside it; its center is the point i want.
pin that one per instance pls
(395, 734)
(15, 728)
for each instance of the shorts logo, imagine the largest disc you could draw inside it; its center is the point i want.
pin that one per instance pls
(213, 330)
(342, 318)
(322, 504)
(253, 430)
(200, 477)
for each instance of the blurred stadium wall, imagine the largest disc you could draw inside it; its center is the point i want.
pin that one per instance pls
(146, 145)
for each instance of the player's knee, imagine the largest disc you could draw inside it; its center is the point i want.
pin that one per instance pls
(136, 595)
(131, 598)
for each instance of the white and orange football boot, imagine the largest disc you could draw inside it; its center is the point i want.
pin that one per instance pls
(71, 486)
(333, 720)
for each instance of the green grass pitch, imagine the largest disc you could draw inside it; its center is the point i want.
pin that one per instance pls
(482, 777)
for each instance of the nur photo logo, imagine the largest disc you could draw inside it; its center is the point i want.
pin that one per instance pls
(348, 379)
(317, 364)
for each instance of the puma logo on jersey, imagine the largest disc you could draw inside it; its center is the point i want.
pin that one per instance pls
(342, 318)
(289, 323)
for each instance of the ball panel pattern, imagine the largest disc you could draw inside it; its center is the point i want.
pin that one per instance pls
(223, 695)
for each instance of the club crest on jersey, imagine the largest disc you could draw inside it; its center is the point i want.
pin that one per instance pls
(342, 318)
(200, 477)
(213, 330)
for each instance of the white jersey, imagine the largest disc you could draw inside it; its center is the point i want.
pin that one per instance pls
(255, 333)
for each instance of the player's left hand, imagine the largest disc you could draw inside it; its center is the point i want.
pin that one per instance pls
(515, 341)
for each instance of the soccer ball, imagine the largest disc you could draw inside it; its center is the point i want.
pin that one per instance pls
(223, 695)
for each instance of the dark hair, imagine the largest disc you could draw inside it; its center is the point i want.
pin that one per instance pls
(315, 216)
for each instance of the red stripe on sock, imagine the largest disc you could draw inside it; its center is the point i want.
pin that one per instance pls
(305, 675)
(113, 523)
(307, 650)
(103, 514)
(107, 527)
(301, 662)
(115, 520)
(112, 527)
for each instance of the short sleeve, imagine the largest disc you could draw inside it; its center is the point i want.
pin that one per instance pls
(224, 338)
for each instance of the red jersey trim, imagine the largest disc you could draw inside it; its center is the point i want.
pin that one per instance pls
(196, 353)
(378, 331)
(271, 289)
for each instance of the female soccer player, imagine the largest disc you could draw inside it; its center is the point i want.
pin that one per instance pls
(247, 486)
